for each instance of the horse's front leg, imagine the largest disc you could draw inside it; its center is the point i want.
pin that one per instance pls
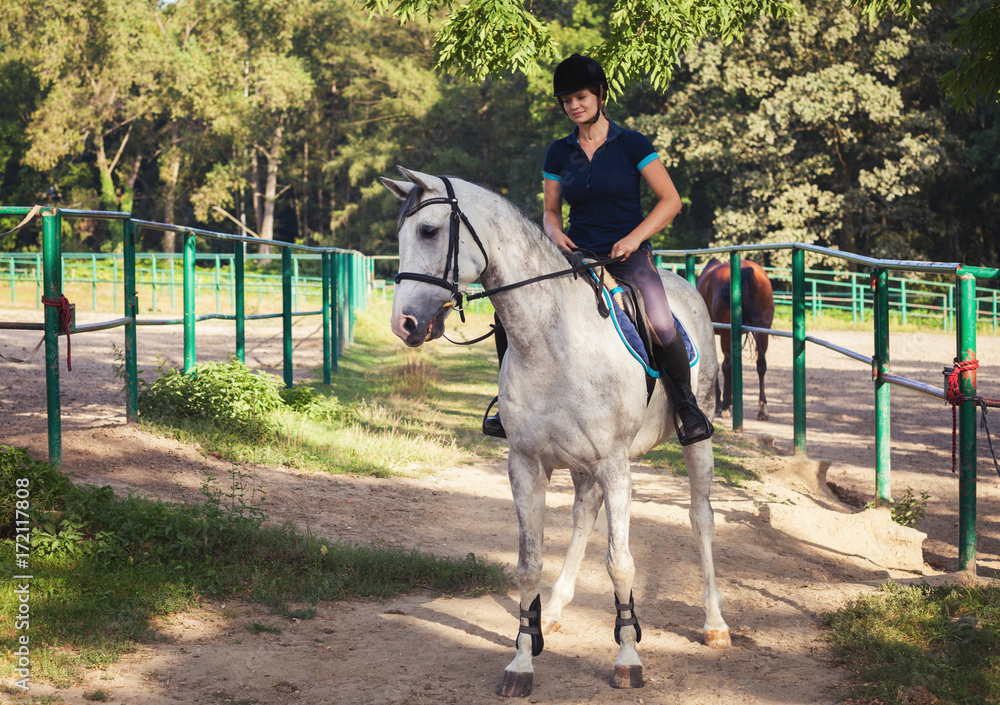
(701, 468)
(617, 484)
(586, 503)
(761, 371)
(528, 482)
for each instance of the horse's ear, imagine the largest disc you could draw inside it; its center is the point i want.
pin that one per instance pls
(401, 189)
(424, 181)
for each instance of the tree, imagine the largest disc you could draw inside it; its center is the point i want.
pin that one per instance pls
(827, 130)
(97, 61)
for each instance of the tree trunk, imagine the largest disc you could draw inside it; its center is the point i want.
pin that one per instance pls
(304, 227)
(169, 241)
(109, 201)
(258, 206)
(271, 186)
(128, 192)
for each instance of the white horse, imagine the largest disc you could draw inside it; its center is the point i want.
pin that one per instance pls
(571, 395)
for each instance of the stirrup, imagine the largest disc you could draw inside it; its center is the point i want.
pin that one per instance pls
(492, 426)
(686, 440)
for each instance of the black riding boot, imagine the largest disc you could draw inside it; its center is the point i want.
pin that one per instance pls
(491, 424)
(676, 375)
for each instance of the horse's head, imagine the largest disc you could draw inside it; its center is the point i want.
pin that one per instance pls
(439, 256)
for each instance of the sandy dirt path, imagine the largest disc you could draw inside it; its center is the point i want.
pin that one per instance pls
(431, 648)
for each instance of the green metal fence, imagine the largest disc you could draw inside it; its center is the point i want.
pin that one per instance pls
(965, 303)
(911, 300)
(343, 280)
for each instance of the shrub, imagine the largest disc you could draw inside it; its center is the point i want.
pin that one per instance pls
(227, 393)
(47, 487)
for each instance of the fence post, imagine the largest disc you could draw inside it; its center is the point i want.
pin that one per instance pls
(902, 301)
(880, 366)
(93, 282)
(12, 286)
(799, 349)
(325, 288)
(692, 276)
(190, 292)
(239, 284)
(286, 313)
(218, 284)
(131, 326)
(52, 274)
(966, 336)
(152, 276)
(854, 302)
(39, 270)
(736, 341)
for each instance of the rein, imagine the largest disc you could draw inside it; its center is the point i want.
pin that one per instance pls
(451, 261)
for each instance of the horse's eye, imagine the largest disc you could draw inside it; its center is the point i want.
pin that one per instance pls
(428, 231)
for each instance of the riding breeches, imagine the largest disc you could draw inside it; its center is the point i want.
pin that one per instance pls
(639, 270)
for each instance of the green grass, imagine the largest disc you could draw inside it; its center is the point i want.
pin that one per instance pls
(104, 566)
(918, 644)
(398, 410)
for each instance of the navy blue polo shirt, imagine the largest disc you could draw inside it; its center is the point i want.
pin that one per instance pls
(602, 193)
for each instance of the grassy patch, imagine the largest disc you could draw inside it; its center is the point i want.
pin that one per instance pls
(918, 644)
(730, 467)
(389, 409)
(103, 566)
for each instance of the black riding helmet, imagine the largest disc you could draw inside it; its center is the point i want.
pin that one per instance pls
(576, 73)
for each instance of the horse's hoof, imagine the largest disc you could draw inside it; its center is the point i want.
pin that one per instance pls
(762, 416)
(515, 684)
(718, 638)
(550, 626)
(627, 677)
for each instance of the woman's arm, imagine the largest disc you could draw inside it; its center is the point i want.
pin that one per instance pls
(552, 220)
(666, 209)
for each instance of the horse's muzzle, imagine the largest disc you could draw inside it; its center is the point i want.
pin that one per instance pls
(415, 330)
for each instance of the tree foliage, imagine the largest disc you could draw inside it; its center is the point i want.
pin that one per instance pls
(779, 119)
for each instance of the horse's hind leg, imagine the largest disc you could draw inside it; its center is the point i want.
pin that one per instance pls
(528, 482)
(727, 386)
(616, 480)
(586, 504)
(701, 468)
(761, 371)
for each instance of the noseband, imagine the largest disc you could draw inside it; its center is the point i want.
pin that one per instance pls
(451, 261)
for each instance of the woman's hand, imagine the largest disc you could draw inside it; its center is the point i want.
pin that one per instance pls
(562, 240)
(626, 246)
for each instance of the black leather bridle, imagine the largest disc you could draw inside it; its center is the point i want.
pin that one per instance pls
(451, 261)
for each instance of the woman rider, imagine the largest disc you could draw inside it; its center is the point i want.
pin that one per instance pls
(597, 170)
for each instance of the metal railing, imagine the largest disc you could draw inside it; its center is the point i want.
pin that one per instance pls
(344, 282)
(965, 278)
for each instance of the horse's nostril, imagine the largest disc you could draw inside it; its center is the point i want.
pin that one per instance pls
(409, 324)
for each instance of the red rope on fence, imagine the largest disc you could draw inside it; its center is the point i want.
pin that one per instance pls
(955, 398)
(66, 318)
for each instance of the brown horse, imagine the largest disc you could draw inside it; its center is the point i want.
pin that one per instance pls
(758, 311)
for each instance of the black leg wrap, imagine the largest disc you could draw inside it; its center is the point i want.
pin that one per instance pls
(623, 622)
(534, 616)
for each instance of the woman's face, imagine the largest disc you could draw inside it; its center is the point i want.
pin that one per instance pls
(581, 107)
